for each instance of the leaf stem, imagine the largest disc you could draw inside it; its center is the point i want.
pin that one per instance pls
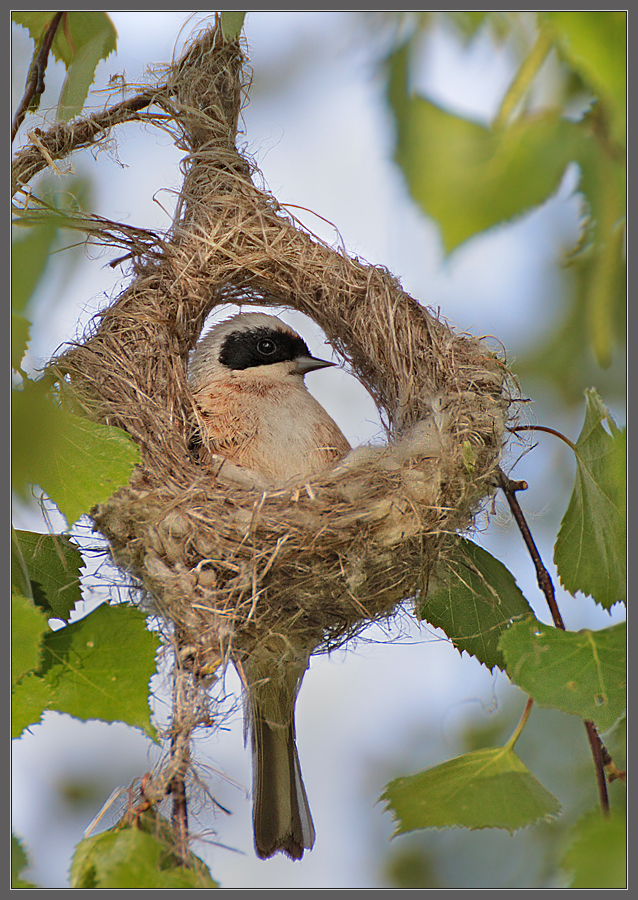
(523, 722)
(524, 77)
(547, 429)
(598, 749)
(34, 86)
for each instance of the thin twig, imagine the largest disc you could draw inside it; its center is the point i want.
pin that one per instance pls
(599, 752)
(546, 429)
(34, 87)
(542, 575)
(545, 583)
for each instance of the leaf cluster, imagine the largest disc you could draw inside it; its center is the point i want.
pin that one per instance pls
(478, 604)
(97, 667)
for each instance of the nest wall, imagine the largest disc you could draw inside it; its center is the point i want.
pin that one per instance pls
(229, 564)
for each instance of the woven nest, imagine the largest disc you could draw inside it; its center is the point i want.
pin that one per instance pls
(228, 564)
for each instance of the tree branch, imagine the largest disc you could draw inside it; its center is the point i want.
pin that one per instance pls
(63, 139)
(598, 750)
(599, 753)
(542, 575)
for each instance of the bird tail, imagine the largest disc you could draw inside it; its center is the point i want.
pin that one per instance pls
(272, 674)
(281, 814)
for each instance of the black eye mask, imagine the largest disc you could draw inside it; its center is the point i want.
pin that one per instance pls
(260, 347)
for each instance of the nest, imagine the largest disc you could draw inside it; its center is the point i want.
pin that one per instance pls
(229, 565)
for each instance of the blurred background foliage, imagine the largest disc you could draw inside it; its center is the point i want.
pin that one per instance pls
(469, 177)
(561, 122)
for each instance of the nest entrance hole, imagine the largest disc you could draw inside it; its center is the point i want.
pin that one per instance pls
(339, 391)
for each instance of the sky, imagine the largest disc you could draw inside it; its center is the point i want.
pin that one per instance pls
(321, 134)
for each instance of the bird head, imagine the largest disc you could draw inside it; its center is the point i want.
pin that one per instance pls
(251, 345)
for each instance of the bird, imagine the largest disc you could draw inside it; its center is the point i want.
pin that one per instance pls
(247, 379)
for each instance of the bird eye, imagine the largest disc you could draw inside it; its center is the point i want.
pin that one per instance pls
(266, 346)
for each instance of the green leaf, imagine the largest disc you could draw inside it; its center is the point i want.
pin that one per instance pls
(29, 256)
(51, 565)
(100, 667)
(579, 672)
(590, 550)
(29, 700)
(594, 43)
(19, 862)
(473, 598)
(232, 24)
(129, 859)
(77, 462)
(597, 858)
(470, 178)
(28, 626)
(36, 21)
(484, 789)
(80, 29)
(19, 339)
(92, 38)
(81, 40)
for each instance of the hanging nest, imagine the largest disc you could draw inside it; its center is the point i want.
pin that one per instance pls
(228, 564)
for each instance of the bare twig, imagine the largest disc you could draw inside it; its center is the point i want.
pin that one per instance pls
(64, 138)
(34, 86)
(542, 575)
(598, 750)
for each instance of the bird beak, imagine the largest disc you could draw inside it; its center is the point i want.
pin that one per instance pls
(309, 363)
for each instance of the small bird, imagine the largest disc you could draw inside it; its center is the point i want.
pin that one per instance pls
(247, 378)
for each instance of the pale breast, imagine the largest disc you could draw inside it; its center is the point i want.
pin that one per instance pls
(279, 430)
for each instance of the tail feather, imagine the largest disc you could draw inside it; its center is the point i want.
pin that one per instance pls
(281, 814)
